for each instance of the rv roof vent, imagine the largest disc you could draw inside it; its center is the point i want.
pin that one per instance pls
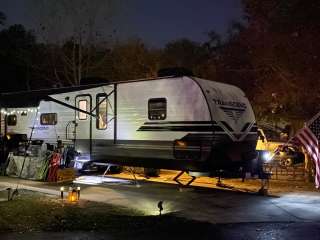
(175, 71)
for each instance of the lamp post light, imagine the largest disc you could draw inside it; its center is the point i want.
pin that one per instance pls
(78, 192)
(72, 195)
(9, 193)
(61, 192)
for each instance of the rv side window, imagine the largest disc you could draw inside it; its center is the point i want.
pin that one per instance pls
(83, 106)
(102, 111)
(48, 119)
(157, 108)
(12, 120)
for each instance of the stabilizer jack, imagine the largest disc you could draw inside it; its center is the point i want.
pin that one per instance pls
(176, 179)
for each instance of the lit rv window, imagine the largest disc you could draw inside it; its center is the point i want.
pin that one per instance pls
(48, 119)
(102, 110)
(12, 120)
(83, 106)
(157, 108)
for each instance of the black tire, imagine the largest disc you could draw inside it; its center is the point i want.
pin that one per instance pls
(115, 169)
(151, 172)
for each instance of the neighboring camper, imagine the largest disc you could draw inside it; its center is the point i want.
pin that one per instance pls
(181, 123)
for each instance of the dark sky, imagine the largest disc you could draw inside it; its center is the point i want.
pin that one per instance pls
(154, 21)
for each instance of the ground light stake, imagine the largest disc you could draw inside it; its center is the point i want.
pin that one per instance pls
(160, 206)
(78, 192)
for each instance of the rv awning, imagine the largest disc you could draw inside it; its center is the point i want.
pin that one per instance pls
(33, 98)
(20, 100)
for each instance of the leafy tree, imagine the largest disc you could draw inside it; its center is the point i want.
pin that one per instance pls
(181, 53)
(133, 60)
(275, 57)
(16, 57)
(184, 53)
(73, 38)
(2, 18)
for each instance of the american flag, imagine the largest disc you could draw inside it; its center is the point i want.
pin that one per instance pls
(309, 137)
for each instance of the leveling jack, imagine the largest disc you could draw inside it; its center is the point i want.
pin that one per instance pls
(265, 176)
(13, 194)
(264, 186)
(131, 170)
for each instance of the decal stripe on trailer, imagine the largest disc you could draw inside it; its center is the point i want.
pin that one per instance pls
(182, 128)
(191, 126)
(181, 122)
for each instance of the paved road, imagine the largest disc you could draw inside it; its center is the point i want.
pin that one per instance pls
(210, 205)
(247, 231)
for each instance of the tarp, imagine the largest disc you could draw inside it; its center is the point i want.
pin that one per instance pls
(34, 168)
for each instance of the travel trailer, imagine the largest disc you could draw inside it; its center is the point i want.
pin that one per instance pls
(181, 123)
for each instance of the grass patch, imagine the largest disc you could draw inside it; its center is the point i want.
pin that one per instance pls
(38, 212)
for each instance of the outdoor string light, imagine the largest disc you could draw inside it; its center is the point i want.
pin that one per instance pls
(31, 110)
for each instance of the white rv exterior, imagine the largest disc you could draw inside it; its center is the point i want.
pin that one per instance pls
(182, 123)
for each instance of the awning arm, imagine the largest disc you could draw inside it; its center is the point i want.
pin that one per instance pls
(48, 98)
(106, 97)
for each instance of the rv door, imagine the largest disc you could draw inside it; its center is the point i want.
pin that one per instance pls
(83, 130)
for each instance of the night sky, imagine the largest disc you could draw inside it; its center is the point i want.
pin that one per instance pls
(154, 21)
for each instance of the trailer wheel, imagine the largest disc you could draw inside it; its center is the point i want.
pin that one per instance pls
(115, 169)
(151, 172)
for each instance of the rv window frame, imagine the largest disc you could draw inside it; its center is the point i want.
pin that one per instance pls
(9, 122)
(158, 99)
(98, 103)
(79, 113)
(48, 124)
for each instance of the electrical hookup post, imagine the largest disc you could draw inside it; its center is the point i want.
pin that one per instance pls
(258, 171)
(264, 177)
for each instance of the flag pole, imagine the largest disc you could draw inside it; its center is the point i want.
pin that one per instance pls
(312, 119)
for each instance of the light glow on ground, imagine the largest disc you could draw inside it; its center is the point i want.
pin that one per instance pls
(96, 180)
